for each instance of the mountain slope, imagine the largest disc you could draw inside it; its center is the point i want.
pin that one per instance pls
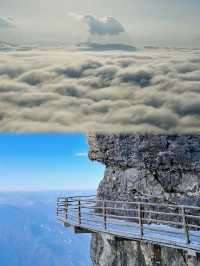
(31, 236)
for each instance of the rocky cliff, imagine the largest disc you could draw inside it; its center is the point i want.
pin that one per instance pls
(167, 166)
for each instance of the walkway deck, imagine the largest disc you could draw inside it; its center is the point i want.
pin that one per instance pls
(170, 225)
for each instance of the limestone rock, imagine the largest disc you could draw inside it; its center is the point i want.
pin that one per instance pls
(167, 166)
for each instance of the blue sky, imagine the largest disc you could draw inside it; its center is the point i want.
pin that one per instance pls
(47, 162)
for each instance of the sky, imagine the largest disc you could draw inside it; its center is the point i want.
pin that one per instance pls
(155, 22)
(31, 162)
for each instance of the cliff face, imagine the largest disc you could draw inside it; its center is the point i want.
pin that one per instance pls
(158, 165)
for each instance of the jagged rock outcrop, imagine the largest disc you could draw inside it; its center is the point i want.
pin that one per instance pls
(167, 166)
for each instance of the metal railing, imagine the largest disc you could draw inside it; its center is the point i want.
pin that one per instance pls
(143, 214)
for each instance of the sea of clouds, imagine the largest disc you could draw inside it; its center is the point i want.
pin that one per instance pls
(153, 89)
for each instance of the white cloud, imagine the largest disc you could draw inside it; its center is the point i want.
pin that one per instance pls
(7, 23)
(100, 25)
(81, 154)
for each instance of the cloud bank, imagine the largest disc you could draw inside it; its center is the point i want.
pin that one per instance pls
(100, 25)
(154, 90)
(7, 23)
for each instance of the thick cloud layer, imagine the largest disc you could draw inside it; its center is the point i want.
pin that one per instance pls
(101, 25)
(55, 90)
(7, 23)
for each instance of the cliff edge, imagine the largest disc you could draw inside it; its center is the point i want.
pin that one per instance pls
(166, 166)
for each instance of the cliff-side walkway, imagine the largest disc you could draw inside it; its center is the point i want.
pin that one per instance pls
(143, 219)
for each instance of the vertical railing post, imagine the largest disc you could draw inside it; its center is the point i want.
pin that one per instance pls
(104, 214)
(57, 207)
(185, 226)
(140, 219)
(66, 208)
(79, 211)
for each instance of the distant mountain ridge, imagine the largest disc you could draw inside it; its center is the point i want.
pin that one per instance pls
(87, 46)
(6, 46)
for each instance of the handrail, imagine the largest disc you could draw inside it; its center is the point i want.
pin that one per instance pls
(147, 203)
(75, 197)
(106, 213)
